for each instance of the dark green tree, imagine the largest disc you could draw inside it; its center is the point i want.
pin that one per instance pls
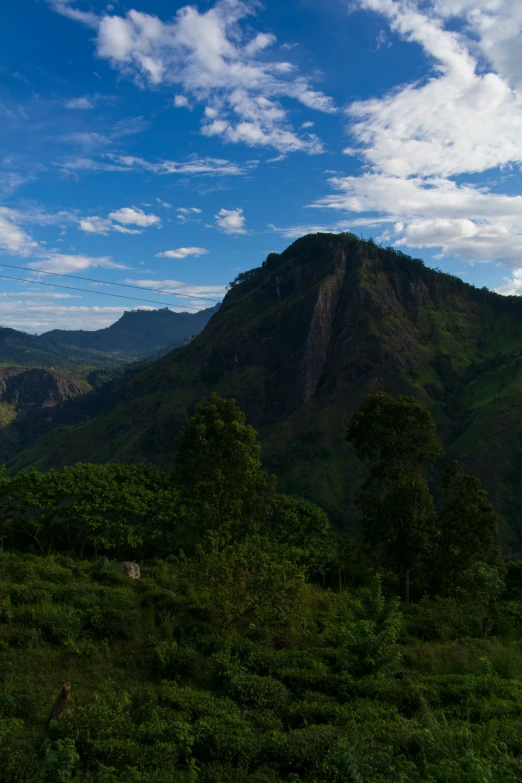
(468, 528)
(394, 436)
(218, 468)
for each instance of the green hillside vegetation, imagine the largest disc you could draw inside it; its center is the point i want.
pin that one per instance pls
(260, 645)
(300, 342)
(137, 335)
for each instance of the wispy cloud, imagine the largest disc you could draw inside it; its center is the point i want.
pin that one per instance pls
(217, 64)
(194, 165)
(119, 220)
(79, 103)
(13, 239)
(464, 118)
(183, 252)
(172, 286)
(135, 217)
(62, 262)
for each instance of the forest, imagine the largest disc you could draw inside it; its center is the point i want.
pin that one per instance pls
(260, 643)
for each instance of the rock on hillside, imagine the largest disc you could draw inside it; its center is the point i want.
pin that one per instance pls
(300, 341)
(37, 388)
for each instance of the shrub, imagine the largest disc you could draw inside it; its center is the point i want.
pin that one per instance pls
(172, 661)
(59, 623)
(259, 692)
(114, 614)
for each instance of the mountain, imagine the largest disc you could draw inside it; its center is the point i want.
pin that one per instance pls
(138, 334)
(28, 394)
(300, 341)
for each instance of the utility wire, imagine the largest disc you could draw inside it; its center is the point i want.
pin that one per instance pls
(106, 282)
(102, 293)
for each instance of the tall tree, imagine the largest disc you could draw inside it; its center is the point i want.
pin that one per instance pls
(394, 437)
(218, 467)
(468, 528)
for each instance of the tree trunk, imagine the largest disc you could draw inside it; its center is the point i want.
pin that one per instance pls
(406, 587)
(61, 703)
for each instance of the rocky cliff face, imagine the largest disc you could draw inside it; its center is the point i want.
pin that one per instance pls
(301, 341)
(36, 388)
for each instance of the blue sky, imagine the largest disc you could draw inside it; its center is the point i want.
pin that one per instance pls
(170, 146)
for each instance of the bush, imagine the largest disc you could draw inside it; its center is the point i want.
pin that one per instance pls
(114, 614)
(59, 623)
(172, 661)
(258, 692)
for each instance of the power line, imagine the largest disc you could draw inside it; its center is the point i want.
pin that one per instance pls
(106, 282)
(102, 293)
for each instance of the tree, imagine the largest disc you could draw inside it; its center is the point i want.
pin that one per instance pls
(468, 528)
(218, 467)
(394, 437)
(250, 580)
(301, 526)
(86, 508)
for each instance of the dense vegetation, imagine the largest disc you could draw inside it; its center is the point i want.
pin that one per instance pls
(259, 645)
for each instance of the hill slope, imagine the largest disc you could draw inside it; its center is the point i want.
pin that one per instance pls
(300, 341)
(138, 334)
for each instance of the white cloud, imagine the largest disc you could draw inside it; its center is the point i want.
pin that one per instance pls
(64, 7)
(183, 252)
(231, 221)
(187, 214)
(61, 262)
(86, 139)
(79, 103)
(36, 316)
(125, 230)
(307, 124)
(464, 118)
(37, 295)
(13, 239)
(164, 204)
(135, 216)
(192, 166)
(95, 225)
(462, 220)
(216, 63)
(181, 101)
(175, 286)
(512, 285)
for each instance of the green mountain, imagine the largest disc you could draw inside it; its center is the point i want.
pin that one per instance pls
(300, 341)
(137, 335)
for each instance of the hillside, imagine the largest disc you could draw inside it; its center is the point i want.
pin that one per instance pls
(138, 334)
(300, 341)
(29, 395)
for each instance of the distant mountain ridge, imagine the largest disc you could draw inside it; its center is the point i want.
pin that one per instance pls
(300, 342)
(137, 335)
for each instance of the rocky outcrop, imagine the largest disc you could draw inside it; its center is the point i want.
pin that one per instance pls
(37, 388)
(321, 326)
(132, 570)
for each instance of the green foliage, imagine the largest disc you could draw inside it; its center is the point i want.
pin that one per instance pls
(87, 508)
(273, 650)
(60, 760)
(219, 467)
(394, 437)
(253, 580)
(468, 528)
